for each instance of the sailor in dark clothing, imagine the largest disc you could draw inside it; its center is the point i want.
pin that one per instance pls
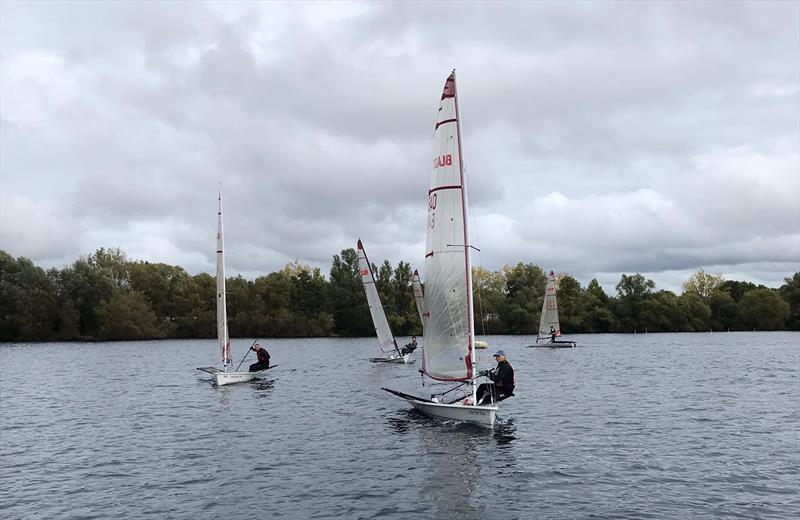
(503, 381)
(552, 334)
(409, 347)
(263, 358)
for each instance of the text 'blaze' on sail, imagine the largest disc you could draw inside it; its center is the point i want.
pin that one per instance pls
(448, 323)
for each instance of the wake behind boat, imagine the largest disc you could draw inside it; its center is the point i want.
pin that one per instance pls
(448, 323)
(549, 327)
(227, 374)
(388, 344)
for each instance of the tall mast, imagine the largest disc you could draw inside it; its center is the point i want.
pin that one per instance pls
(467, 256)
(222, 311)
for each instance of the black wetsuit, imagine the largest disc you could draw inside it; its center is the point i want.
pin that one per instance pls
(263, 361)
(409, 348)
(503, 382)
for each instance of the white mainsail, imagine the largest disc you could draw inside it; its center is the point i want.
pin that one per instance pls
(549, 310)
(417, 286)
(448, 354)
(222, 312)
(385, 337)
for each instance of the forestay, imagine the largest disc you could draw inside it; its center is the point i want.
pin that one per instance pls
(549, 309)
(448, 324)
(385, 336)
(222, 312)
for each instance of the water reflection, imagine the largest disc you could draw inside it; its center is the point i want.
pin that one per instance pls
(505, 432)
(451, 471)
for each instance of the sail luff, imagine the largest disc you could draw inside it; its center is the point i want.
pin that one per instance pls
(467, 255)
(222, 312)
(379, 321)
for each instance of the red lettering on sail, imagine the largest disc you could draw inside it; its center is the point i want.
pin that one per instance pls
(364, 272)
(443, 160)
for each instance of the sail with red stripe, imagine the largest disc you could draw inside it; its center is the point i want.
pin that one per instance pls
(548, 323)
(382, 329)
(448, 353)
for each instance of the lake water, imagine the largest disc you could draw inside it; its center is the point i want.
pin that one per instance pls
(624, 426)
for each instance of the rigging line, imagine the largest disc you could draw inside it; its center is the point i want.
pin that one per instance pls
(476, 239)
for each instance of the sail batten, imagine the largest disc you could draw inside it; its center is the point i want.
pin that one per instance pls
(382, 329)
(448, 354)
(549, 318)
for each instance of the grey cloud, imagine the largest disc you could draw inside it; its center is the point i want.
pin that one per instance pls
(668, 129)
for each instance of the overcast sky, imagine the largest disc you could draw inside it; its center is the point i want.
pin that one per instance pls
(599, 138)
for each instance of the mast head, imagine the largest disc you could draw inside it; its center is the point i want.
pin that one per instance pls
(359, 244)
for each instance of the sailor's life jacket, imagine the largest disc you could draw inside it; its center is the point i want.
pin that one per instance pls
(504, 377)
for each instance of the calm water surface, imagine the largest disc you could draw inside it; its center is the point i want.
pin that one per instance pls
(646, 426)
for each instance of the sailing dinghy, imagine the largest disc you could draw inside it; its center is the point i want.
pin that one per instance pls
(448, 325)
(388, 344)
(227, 374)
(549, 328)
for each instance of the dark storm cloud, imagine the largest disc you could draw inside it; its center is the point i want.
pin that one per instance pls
(598, 137)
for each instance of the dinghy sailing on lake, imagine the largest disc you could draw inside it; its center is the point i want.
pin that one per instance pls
(449, 354)
(388, 344)
(227, 374)
(549, 327)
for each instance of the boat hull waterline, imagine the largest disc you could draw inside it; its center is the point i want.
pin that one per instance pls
(555, 344)
(222, 378)
(483, 415)
(404, 359)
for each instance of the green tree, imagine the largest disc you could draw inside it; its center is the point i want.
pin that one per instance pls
(763, 309)
(488, 295)
(790, 292)
(28, 301)
(350, 310)
(632, 291)
(724, 311)
(127, 315)
(696, 310)
(570, 304)
(524, 294)
(598, 315)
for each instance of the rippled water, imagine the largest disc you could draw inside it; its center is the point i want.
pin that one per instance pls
(647, 426)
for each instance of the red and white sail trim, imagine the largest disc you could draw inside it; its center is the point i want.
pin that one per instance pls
(382, 329)
(548, 324)
(448, 354)
(222, 311)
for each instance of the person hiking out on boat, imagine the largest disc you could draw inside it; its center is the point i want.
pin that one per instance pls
(408, 348)
(552, 334)
(503, 380)
(263, 358)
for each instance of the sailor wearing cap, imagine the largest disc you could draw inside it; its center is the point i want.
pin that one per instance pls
(503, 379)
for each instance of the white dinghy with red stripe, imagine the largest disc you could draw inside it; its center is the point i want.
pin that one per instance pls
(448, 354)
(227, 374)
(388, 344)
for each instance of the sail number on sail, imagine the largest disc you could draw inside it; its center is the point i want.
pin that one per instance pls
(443, 160)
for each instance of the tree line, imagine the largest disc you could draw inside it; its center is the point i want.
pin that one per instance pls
(106, 296)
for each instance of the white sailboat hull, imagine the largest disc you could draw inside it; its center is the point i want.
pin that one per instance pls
(555, 344)
(404, 359)
(482, 415)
